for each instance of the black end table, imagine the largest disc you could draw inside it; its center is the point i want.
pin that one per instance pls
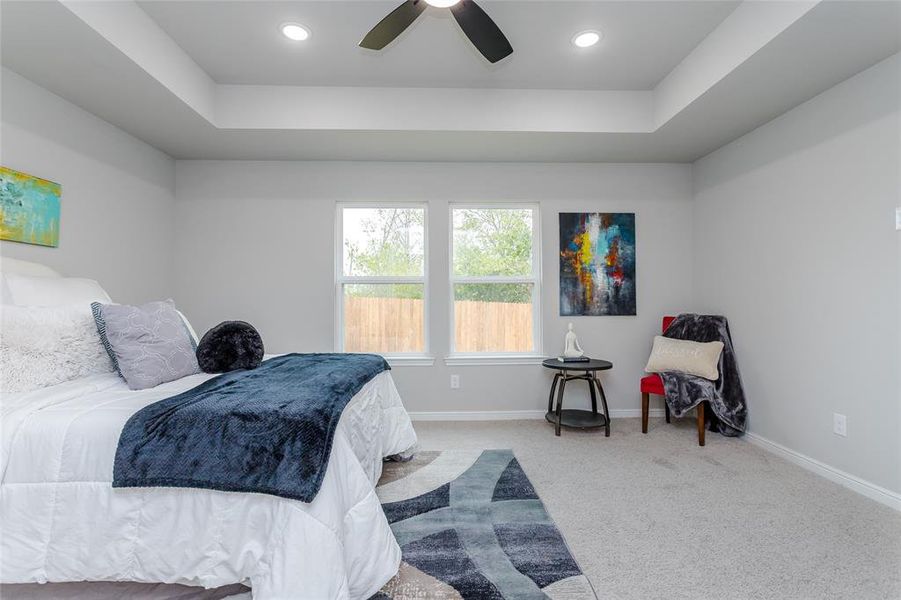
(582, 419)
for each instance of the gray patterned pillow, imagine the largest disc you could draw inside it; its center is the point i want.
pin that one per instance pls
(148, 344)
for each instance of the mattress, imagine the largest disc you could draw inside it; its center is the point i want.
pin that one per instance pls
(63, 521)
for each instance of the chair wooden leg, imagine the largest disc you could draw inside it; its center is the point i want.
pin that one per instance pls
(645, 400)
(666, 408)
(701, 424)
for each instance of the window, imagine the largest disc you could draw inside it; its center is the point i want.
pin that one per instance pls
(381, 283)
(495, 280)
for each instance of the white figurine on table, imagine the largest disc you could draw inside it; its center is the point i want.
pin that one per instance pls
(571, 348)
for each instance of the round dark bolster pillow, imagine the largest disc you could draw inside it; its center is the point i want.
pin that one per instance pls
(229, 346)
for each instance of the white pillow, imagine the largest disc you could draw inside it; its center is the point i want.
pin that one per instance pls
(6, 296)
(25, 290)
(190, 329)
(44, 346)
(694, 358)
(25, 267)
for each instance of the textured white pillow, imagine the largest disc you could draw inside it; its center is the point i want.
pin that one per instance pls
(25, 290)
(25, 267)
(190, 329)
(694, 358)
(44, 346)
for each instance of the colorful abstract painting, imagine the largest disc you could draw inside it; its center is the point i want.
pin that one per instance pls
(597, 264)
(29, 208)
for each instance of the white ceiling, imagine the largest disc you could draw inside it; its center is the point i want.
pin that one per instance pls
(761, 60)
(238, 42)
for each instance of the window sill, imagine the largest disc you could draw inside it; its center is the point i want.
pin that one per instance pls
(412, 360)
(463, 360)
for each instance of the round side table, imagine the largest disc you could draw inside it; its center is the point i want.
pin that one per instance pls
(582, 419)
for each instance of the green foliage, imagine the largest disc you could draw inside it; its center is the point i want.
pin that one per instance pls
(486, 242)
(493, 292)
(389, 250)
(382, 290)
(493, 242)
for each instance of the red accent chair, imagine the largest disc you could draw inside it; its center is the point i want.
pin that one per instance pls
(652, 384)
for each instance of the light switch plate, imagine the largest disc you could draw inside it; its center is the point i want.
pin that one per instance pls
(839, 425)
(898, 219)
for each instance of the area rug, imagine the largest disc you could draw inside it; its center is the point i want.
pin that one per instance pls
(471, 527)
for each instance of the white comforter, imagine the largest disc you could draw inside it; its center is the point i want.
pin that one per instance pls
(63, 521)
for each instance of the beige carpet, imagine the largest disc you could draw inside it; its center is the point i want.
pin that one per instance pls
(657, 517)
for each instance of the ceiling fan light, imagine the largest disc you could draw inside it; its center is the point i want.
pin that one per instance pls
(586, 39)
(295, 31)
(441, 3)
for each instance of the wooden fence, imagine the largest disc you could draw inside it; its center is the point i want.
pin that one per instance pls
(492, 326)
(383, 325)
(396, 325)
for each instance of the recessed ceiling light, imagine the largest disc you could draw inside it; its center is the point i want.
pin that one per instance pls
(295, 31)
(441, 3)
(586, 39)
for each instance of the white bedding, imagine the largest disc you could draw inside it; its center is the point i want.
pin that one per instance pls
(63, 521)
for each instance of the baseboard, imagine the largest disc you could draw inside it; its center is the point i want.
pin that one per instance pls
(861, 486)
(517, 415)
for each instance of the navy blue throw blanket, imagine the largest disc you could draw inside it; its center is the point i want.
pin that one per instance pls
(267, 430)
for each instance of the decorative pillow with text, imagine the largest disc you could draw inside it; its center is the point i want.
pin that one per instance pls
(694, 358)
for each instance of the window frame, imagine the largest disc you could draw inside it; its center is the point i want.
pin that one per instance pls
(423, 358)
(534, 356)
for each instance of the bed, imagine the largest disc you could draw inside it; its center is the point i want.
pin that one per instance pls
(63, 521)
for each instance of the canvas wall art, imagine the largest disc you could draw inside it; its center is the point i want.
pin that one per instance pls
(597, 264)
(29, 208)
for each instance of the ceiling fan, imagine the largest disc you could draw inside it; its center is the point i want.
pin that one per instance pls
(484, 34)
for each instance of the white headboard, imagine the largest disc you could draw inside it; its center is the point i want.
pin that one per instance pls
(24, 267)
(39, 285)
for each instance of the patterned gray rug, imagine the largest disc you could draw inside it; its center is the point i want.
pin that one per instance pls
(471, 527)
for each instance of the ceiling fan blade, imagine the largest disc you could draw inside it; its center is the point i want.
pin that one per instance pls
(393, 25)
(484, 34)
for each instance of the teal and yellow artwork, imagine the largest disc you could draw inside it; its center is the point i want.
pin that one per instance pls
(29, 208)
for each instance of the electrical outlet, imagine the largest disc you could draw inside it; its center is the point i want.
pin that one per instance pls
(839, 425)
(455, 382)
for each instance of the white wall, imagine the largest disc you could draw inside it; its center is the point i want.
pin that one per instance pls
(790, 235)
(795, 242)
(255, 241)
(118, 193)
